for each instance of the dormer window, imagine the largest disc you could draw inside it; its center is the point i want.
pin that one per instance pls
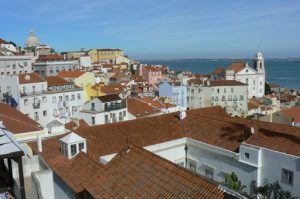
(72, 144)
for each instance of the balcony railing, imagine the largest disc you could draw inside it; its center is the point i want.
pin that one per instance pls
(115, 106)
(22, 94)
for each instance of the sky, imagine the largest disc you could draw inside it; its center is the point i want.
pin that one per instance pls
(159, 29)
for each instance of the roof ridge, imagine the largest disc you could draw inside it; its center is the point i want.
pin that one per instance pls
(25, 123)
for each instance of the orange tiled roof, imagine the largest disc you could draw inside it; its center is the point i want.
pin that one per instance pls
(151, 68)
(218, 71)
(30, 78)
(2, 41)
(56, 81)
(237, 66)
(17, 122)
(137, 173)
(293, 113)
(71, 74)
(50, 57)
(111, 89)
(138, 108)
(156, 103)
(209, 125)
(226, 83)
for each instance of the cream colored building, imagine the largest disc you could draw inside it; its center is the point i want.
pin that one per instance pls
(105, 55)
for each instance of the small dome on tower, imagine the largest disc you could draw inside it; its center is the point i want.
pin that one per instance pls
(32, 40)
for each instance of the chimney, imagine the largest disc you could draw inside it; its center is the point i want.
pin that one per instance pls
(39, 143)
(252, 130)
(208, 83)
(293, 122)
(182, 115)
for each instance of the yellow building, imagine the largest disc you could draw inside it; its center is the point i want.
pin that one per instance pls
(80, 78)
(74, 54)
(104, 55)
(93, 91)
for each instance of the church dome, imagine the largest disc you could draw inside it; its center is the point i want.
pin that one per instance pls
(32, 40)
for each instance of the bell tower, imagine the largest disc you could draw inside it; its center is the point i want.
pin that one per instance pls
(259, 62)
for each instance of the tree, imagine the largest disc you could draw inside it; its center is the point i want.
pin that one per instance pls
(269, 191)
(267, 89)
(232, 182)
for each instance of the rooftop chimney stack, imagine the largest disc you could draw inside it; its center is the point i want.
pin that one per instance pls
(182, 115)
(293, 122)
(252, 130)
(39, 143)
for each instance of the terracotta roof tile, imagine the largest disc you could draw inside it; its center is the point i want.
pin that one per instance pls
(293, 112)
(51, 57)
(109, 98)
(70, 74)
(226, 83)
(237, 66)
(30, 78)
(151, 68)
(137, 173)
(17, 122)
(56, 81)
(139, 108)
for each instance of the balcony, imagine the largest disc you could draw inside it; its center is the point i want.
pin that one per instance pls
(115, 106)
(23, 94)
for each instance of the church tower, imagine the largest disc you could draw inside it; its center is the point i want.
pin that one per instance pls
(259, 63)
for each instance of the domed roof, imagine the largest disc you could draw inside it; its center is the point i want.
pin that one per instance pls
(32, 40)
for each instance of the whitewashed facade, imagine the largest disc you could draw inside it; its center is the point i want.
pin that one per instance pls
(232, 96)
(100, 111)
(15, 64)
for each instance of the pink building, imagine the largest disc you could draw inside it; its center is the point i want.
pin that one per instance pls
(151, 74)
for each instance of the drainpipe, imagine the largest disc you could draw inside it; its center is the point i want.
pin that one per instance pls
(185, 149)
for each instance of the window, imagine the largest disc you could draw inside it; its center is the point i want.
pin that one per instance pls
(92, 106)
(209, 172)
(73, 149)
(44, 99)
(72, 97)
(232, 90)
(44, 113)
(67, 97)
(192, 165)
(218, 90)
(241, 97)
(81, 146)
(93, 120)
(247, 155)
(53, 99)
(78, 96)
(60, 98)
(33, 89)
(224, 90)
(36, 115)
(124, 113)
(25, 101)
(287, 176)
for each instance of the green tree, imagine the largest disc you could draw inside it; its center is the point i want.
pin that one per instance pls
(267, 89)
(232, 182)
(269, 191)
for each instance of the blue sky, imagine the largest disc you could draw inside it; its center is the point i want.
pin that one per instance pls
(147, 29)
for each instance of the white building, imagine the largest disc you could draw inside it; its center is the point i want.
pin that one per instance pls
(229, 94)
(7, 45)
(51, 65)
(253, 76)
(103, 110)
(205, 141)
(43, 100)
(15, 64)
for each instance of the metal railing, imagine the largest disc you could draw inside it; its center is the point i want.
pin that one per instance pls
(115, 106)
